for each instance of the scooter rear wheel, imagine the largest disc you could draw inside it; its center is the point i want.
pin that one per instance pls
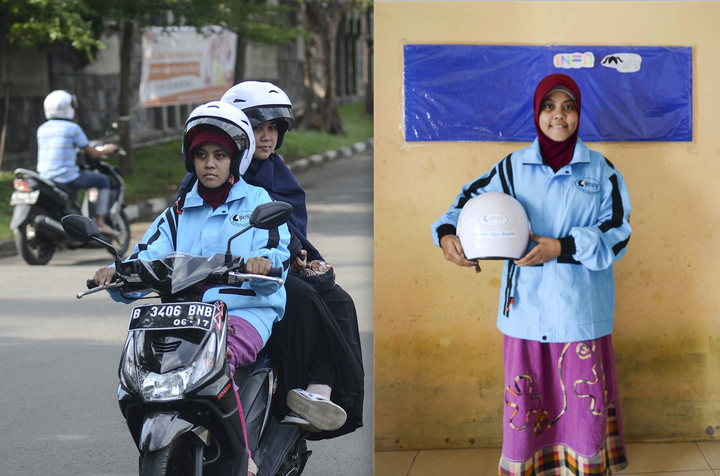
(33, 247)
(173, 460)
(122, 242)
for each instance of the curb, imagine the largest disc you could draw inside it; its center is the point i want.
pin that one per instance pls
(153, 207)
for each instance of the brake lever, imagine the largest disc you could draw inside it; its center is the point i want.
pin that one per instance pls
(115, 285)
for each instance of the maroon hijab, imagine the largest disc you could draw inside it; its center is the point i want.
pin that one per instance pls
(556, 154)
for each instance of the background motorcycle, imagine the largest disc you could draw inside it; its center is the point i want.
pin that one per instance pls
(40, 205)
(176, 392)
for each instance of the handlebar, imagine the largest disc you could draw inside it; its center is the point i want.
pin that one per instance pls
(232, 278)
(239, 277)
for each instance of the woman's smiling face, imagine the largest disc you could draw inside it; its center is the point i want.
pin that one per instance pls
(212, 164)
(558, 117)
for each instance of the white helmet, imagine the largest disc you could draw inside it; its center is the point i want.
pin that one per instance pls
(493, 226)
(262, 102)
(60, 104)
(220, 115)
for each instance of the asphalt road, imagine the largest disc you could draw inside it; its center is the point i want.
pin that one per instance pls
(59, 355)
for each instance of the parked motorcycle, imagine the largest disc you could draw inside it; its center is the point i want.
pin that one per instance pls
(40, 204)
(175, 389)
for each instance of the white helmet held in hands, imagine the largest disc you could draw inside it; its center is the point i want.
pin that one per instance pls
(220, 115)
(60, 104)
(493, 226)
(262, 102)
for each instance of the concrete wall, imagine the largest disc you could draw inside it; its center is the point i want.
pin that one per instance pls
(438, 354)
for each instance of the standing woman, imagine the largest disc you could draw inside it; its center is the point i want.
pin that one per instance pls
(562, 414)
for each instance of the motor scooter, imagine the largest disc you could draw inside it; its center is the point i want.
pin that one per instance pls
(40, 204)
(175, 389)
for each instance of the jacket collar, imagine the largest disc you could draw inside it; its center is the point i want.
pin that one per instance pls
(532, 155)
(193, 198)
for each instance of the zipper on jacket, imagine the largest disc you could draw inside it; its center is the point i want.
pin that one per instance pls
(509, 299)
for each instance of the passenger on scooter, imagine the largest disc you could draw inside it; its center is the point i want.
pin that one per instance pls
(217, 153)
(317, 343)
(58, 141)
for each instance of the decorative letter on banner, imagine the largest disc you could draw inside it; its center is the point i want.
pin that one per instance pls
(484, 93)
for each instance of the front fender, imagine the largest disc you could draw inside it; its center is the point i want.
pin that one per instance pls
(20, 214)
(161, 429)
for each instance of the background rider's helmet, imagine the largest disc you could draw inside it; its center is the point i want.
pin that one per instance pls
(493, 226)
(262, 102)
(60, 104)
(220, 115)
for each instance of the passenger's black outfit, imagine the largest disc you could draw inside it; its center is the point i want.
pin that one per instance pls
(317, 340)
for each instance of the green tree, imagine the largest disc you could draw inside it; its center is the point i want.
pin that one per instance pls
(128, 15)
(322, 19)
(32, 24)
(367, 8)
(252, 20)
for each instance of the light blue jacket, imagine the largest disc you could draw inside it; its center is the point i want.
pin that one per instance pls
(58, 144)
(204, 231)
(585, 205)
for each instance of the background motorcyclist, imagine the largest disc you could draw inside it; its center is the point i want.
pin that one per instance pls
(58, 142)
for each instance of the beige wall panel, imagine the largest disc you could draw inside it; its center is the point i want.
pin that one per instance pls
(438, 354)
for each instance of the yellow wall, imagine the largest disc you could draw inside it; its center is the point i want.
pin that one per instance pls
(438, 364)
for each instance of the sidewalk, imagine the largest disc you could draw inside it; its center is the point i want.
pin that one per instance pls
(648, 459)
(151, 208)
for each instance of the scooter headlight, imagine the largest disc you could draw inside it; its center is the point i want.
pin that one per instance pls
(205, 363)
(172, 385)
(163, 387)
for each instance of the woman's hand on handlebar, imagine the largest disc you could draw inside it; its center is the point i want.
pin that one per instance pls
(453, 250)
(104, 276)
(258, 265)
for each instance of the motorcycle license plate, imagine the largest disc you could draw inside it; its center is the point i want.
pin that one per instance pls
(174, 316)
(24, 198)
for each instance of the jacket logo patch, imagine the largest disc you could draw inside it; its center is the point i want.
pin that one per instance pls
(241, 218)
(493, 219)
(588, 185)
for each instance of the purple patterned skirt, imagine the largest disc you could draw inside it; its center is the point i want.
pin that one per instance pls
(562, 414)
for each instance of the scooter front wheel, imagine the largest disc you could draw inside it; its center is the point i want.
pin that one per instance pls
(31, 245)
(173, 460)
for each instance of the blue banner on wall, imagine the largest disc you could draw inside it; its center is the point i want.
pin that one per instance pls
(484, 93)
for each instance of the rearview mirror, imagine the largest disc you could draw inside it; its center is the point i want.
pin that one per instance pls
(265, 216)
(270, 215)
(112, 129)
(80, 228)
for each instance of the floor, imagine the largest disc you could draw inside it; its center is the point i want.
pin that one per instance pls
(648, 459)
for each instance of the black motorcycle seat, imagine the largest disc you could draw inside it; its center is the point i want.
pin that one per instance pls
(71, 191)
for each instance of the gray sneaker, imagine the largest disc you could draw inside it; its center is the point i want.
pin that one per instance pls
(316, 409)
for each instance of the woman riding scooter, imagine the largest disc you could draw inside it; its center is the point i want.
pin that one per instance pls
(218, 145)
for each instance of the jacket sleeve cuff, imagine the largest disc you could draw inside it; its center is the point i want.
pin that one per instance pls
(567, 246)
(443, 230)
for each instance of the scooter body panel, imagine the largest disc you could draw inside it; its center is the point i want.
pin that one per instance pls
(161, 429)
(20, 214)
